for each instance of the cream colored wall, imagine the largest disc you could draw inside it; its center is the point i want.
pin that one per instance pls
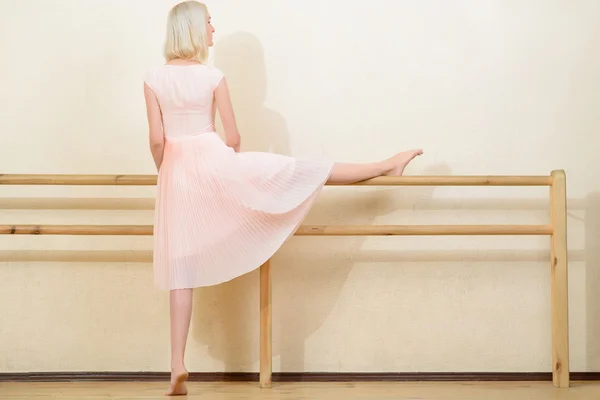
(484, 87)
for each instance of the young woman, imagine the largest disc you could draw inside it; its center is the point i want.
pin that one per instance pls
(220, 213)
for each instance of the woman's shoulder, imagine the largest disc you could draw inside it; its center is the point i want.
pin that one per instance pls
(158, 75)
(177, 68)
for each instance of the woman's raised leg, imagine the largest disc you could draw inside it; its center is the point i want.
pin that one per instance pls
(346, 173)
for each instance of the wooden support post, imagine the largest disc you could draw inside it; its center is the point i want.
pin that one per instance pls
(266, 355)
(559, 277)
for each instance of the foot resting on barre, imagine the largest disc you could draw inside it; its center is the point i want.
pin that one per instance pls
(401, 160)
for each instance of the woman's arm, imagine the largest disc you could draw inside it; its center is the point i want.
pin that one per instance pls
(223, 102)
(155, 126)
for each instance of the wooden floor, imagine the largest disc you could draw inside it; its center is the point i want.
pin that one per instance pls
(305, 391)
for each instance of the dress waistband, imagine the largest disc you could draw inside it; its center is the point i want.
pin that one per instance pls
(190, 136)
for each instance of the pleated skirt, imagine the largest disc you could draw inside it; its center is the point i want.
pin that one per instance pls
(221, 214)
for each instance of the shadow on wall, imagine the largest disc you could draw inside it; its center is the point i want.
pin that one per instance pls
(225, 316)
(240, 57)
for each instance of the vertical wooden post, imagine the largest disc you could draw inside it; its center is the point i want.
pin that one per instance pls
(559, 276)
(266, 357)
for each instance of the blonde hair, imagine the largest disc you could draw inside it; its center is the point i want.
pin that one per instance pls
(186, 32)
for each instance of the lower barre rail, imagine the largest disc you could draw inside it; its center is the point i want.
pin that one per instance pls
(305, 230)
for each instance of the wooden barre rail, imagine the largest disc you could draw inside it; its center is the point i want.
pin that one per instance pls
(557, 230)
(305, 230)
(150, 180)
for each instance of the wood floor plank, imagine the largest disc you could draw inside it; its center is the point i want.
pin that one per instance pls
(304, 391)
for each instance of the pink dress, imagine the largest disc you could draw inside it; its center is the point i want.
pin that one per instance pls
(219, 214)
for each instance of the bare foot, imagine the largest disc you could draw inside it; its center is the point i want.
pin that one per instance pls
(178, 378)
(398, 162)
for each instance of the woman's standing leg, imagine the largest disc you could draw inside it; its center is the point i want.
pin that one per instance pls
(346, 173)
(181, 314)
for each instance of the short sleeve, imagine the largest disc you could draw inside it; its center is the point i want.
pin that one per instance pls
(217, 77)
(148, 78)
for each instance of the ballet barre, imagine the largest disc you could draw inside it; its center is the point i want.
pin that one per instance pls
(556, 229)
